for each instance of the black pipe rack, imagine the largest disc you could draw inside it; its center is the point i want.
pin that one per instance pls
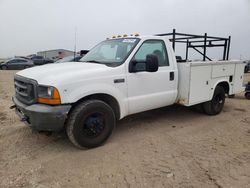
(199, 43)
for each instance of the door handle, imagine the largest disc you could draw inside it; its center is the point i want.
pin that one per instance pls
(171, 76)
(120, 80)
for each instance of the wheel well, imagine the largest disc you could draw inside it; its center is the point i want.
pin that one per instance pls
(110, 100)
(225, 86)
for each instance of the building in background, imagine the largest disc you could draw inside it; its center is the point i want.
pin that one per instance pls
(55, 54)
(2, 60)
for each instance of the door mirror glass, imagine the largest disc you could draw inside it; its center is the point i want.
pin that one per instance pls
(149, 65)
(137, 66)
(152, 63)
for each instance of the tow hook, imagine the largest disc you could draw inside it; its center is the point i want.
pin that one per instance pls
(24, 119)
(13, 106)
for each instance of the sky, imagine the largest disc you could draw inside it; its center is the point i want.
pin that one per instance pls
(28, 26)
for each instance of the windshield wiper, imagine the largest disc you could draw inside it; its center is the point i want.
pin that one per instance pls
(97, 62)
(94, 61)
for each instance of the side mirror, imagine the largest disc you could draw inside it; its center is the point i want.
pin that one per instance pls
(137, 66)
(152, 63)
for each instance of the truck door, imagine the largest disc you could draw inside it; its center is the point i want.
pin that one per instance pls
(149, 90)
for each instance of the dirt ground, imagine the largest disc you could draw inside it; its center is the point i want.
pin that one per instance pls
(168, 147)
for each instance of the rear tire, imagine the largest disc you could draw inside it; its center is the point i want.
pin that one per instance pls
(216, 105)
(245, 70)
(90, 124)
(247, 95)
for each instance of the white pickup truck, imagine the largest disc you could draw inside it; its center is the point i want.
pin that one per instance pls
(119, 77)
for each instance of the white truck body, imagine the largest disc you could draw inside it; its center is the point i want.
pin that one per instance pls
(141, 91)
(54, 96)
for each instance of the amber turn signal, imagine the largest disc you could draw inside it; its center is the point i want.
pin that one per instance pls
(54, 100)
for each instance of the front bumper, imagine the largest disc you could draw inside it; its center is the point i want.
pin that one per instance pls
(42, 117)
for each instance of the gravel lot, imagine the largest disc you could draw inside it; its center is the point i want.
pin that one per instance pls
(167, 147)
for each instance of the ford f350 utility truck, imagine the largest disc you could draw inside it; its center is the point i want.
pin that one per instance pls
(119, 77)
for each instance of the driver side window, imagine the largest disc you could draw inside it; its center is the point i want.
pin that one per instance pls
(156, 47)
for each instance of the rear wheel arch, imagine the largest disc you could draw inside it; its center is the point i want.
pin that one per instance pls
(224, 85)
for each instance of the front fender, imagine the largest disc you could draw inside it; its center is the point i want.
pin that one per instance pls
(76, 93)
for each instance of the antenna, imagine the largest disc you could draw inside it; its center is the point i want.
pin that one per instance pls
(75, 42)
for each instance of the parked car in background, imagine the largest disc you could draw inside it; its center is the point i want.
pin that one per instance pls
(247, 66)
(247, 91)
(69, 59)
(22, 57)
(16, 64)
(40, 60)
(83, 52)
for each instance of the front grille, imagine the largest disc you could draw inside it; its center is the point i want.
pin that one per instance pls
(25, 90)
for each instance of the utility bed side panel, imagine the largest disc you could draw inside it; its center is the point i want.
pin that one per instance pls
(194, 83)
(197, 80)
(183, 83)
(238, 78)
(200, 84)
(222, 70)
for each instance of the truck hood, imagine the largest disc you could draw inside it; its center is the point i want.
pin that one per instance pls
(53, 74)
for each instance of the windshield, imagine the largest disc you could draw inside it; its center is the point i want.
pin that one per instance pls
(111, 52)
(65, 59)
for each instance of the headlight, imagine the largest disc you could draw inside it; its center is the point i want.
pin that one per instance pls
(48, 95)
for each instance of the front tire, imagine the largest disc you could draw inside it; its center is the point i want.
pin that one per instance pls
(90, 124)
(216, 105)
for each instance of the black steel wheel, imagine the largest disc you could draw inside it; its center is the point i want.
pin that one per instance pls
(90, 124)
(93, 125)
(216, 105)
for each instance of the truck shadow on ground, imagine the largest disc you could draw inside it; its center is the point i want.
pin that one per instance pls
(238, 97)
(163, 117)
(153, 119)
